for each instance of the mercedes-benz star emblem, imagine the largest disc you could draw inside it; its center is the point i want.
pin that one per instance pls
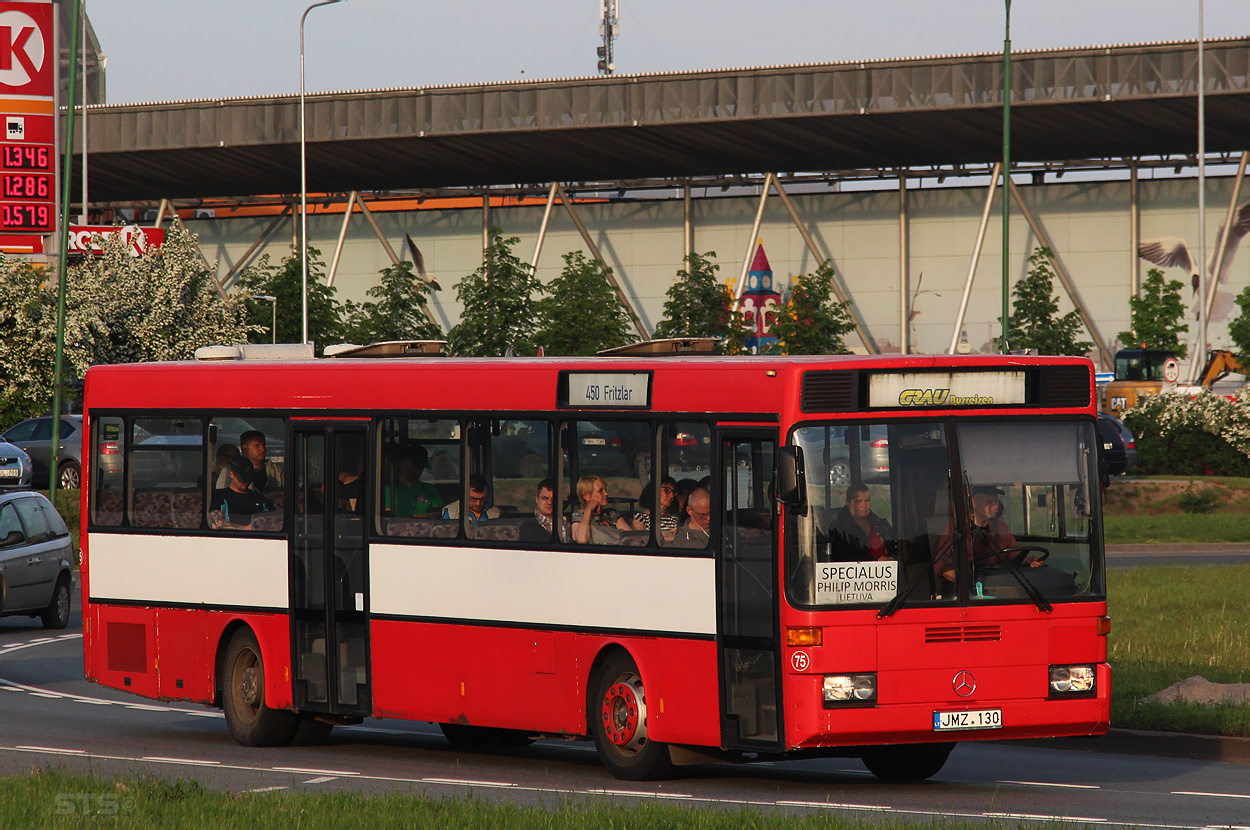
(964, 683)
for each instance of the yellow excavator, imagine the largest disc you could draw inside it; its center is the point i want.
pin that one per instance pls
(1148, 371)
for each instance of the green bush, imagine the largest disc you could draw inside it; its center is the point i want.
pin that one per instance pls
(1195, 500)
(1188, 436)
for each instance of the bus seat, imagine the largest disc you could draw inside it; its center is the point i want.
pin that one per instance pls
(267, 522)
(108, 507)
(188, 508)
(498, 530)
(151, 508)
(407, 527)
(635, 538)
(444, 528)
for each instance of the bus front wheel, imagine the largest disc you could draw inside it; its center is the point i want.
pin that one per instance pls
(617, 711)
(907, 762)
(251, 722)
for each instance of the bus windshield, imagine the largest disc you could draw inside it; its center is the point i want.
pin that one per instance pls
(945, 512)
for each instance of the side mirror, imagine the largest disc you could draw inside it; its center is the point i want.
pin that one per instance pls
(791, 479)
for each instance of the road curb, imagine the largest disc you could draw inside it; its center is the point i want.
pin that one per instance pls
(1164, 744)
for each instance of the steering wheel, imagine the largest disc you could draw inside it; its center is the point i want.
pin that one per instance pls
(1022, 550)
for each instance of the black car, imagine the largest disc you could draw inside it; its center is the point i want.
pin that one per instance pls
(1117, 450)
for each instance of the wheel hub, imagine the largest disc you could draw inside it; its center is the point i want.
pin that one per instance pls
(624, 716)
(248, 687)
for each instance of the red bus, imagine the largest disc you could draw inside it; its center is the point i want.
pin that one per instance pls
(876, 557)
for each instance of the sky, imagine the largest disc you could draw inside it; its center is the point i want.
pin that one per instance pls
(162, 50)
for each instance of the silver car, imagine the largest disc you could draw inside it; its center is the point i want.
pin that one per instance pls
(36, 559)
(34, 435)
(15, 468)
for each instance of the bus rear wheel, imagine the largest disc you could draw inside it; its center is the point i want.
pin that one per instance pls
(251, 722)
(907, 762)
(617, 711)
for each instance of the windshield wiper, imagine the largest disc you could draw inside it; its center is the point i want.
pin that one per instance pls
(1029, 588)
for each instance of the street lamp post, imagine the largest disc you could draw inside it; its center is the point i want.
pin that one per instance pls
(1003, 347)
(269, 298)
(303, 171)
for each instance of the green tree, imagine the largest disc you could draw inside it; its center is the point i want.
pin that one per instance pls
(399, 313)
(286, 282)
(498, 300)
(1156, 316)
(27, 340)
(1239, 327)
(697, 305)
(581, 314)
(1035, 323)
(812, 320)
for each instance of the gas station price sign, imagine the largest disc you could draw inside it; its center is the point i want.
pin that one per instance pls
(28, 151)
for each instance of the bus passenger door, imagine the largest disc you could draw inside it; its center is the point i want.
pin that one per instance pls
(747, 592)
(329, 592)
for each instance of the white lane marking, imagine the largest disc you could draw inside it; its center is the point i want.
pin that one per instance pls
(51, 695)
(306, 771)
(35, 691)
(1212, 795)
(54, 750)
(1037, 817)
(833, 805)
(321, 779)
(159, 759)
(195, 714)
(266, 789)
(465, 782)
(20, 646)
(1048, 784)
(637, 794)
(91, 701)
(143, 707)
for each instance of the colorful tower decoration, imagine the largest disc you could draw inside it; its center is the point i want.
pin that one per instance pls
(760, 303)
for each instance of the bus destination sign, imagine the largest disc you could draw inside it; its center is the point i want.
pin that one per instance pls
(927, 390)
(608, 390)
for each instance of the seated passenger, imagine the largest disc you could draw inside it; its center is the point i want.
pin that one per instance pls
(221, 460)
(857, 534)
(669, 511)
(596, 523)
(991, 538)
(696, 530)
(411, 497)
(480, 508)
(238, 503)
(266, 474)
(538, 528)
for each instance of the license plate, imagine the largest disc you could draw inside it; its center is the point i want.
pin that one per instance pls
(594, 442)
(10, 473)
(968, 719)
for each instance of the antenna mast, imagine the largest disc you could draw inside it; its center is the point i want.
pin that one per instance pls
(610, 28)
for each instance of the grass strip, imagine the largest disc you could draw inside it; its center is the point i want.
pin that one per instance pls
(1169, 623)
(1177, 527)
(54, 799)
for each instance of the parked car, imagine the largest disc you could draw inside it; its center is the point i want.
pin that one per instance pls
(1117, 448)
(34, 435)
(15, 468)
(36, 559)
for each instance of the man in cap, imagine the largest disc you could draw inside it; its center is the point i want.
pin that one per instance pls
(990, 538)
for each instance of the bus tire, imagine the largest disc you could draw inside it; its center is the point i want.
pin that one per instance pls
(251, 722)
(617, 714)
(907, 762)
(56, 615)
(465, 736)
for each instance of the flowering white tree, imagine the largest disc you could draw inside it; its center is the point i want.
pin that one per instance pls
(158, 306)
(120, 308)
(1186, 434)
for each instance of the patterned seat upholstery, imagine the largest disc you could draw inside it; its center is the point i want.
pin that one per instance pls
(108, 508)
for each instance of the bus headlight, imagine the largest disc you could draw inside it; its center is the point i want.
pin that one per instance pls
(850, 689)
(1071, 680)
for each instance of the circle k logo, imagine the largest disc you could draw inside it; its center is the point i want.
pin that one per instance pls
(22, 48)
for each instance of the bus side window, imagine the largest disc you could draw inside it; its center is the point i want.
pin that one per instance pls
(686, 465)
(419, 477)
(261, 444)
(165, 465)
(108, 442)
(610, 462)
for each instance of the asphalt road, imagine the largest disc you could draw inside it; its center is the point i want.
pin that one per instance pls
(50, 716)
(1131, 556)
